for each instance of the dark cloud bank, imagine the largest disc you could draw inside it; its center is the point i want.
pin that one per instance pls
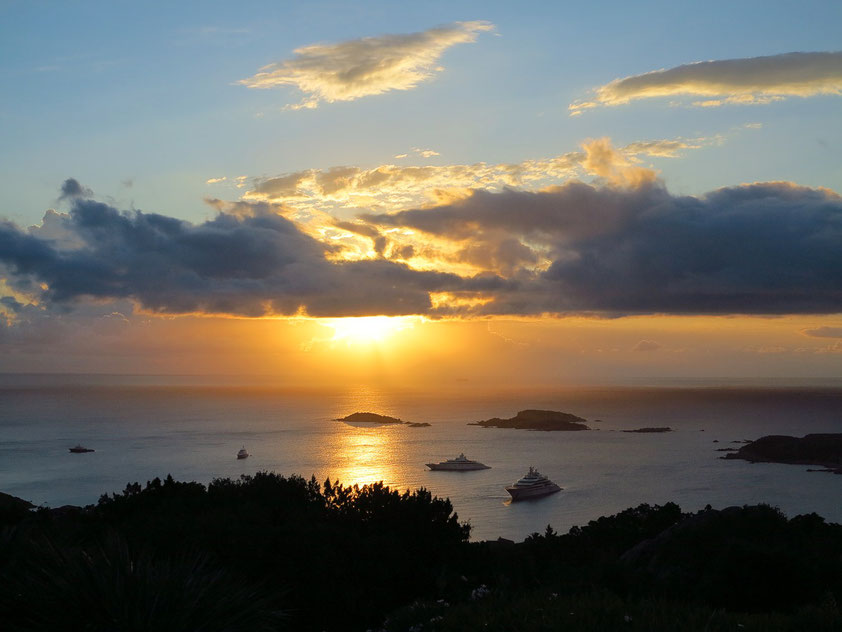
(249, 266)
(770, 248)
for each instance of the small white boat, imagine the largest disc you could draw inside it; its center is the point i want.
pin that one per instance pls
(242, 454)
(533, 485)
(460, 464)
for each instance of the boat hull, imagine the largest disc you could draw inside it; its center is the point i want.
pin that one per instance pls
(524, 493)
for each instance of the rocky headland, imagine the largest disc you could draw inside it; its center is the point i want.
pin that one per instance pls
(546, 420)
(813, 449)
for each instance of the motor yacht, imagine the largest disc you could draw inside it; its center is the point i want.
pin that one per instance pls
(460, 464)
(533, 485)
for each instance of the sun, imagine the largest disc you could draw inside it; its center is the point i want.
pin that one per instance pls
(367, 329)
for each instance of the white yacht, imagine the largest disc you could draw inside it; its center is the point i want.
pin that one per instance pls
(460, 464)
(532, 485)
(242, 454)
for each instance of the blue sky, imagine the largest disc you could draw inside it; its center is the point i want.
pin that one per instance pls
(111, 92)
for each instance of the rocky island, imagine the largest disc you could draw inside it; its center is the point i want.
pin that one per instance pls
(812, 449)
(374, 419)
(546, 420)
(371, 418)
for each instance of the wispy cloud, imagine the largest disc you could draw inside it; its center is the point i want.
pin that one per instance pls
(398, 186)
(754, 80)
(216, 180)
(352, 69)
(647, 346)
(823, 332)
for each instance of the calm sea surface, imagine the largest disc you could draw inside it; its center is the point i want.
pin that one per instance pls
(141, 430)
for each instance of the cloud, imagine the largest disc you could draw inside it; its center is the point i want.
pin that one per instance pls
(603, 160)
(216, 180)
(404, 186)
(363, 67)
(754, 80)
(647, 345)
(667, 148)
(823, 332)
(767, 248)
(71, 188)
(310, 196)
(246, 265)
(620, 245)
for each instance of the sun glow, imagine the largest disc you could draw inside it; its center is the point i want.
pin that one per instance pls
(368, 329)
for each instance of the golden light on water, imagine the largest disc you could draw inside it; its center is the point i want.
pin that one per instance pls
(365, 455)
(361, 454)
(368, 329)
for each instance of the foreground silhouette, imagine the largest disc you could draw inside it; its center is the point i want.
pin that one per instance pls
(268, 552)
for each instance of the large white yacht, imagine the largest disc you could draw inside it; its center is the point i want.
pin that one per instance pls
(532, 485)
(460, 464)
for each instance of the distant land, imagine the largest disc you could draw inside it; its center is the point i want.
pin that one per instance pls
(371, 418)
(374, 418)
(546, 420)
(812, 449)
(651, 429)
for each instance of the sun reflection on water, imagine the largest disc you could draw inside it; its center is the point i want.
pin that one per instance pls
(365, 455)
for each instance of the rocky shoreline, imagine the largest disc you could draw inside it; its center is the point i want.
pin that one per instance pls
(824, 450)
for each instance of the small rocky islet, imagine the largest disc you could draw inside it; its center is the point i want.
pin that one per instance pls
(377, 419)
(544, 420)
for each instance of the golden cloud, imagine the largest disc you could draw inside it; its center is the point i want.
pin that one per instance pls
(754, 80)
(352, 69)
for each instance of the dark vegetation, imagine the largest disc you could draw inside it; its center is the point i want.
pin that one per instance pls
(812, 449)
(267, 552)
(537, 420)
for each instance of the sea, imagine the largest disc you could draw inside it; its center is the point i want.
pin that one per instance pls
(142, 427)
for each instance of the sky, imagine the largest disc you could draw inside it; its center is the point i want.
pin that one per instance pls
(422, 193)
